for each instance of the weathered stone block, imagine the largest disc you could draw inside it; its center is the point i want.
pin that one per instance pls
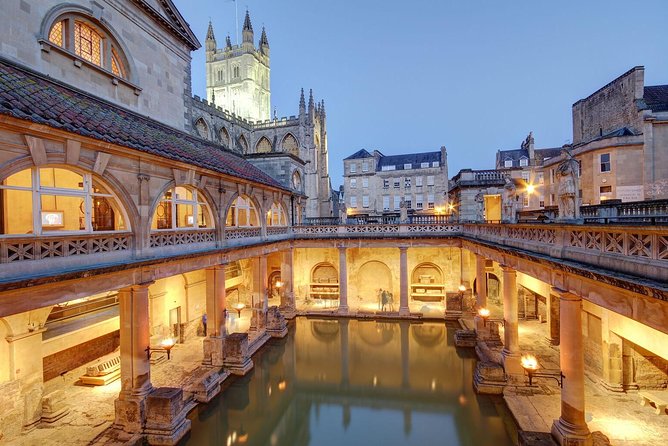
(465, 338)
(236, 354)
(203, 384)
(130, 414)
(54, 406)
(166, 421)
(276, 325)
(213, 351)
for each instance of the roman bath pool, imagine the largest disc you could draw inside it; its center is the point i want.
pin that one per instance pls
(354, 382)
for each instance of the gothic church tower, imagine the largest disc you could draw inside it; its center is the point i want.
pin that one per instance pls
(237, 76)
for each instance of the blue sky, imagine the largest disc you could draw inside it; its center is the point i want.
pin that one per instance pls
(473, 75)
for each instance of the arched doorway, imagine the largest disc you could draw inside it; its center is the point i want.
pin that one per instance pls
(369, 291)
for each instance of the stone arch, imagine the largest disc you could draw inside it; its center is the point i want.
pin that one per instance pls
(263, 145)
(368, 289)
(290, 144)
(297, 183)
(427, 269)
(202, 128)
(224, 137)
(277, 214)
(202, 197)
(254, 220)
(243, 143)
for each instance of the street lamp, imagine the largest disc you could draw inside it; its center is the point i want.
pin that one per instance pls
(239, 306)
(484, 313)
(530, 366)
(165, 346)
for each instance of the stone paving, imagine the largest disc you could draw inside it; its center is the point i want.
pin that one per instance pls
(619, 416)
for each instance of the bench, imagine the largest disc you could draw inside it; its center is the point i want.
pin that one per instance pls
(103, 373)
(660, 400)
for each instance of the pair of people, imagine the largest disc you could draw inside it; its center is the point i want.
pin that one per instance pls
(385, 299)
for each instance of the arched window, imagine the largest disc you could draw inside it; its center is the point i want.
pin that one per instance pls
(297, 181)
(276, 216)
(51, 199)
(182, 207)
(263, 145)
(290, 145)
(242, 213)
(202, 128)
(243, 143)
(90, 41)
(224, 137)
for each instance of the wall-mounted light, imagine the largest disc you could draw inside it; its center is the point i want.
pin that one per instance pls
(165, 346)
(239, 306)
(530, 366)
(484, 314)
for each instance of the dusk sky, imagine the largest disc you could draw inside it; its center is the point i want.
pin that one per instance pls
(473, 75)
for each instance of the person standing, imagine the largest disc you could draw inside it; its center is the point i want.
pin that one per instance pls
(204, 320)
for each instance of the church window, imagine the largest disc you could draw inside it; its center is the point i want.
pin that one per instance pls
(524, 162)
(181, 207)
(430, 180)
(386, 202)
(235, 72)
(365, 182)
(276, 216)
(353, 183)
(353, 168)
(365, 166)
(365, 201)
(88, 41)
(202, 128)
(46, 200)
(508, 163)
(290, 145)
(605, 162)
(353, 201)
(263, 146)
(224, 137)
(296, 181)
(243, 144)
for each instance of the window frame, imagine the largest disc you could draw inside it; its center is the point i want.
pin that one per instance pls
(196, 202)
(607, 163)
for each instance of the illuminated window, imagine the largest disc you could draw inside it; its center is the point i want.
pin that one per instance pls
(182, 208)
(50, 199)
(242, 213)
(276, 216)
(90, 42)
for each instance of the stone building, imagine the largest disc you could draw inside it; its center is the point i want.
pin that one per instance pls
(377, 184)
(620, 139)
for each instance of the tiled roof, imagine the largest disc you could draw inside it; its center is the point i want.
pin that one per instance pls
(656, 97)
(414, 159)
(359, 154)
(516, 154)
(27, 95)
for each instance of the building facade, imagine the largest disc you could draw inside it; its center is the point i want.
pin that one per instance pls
(377, 184)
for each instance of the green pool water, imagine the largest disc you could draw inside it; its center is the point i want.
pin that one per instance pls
(350, 382)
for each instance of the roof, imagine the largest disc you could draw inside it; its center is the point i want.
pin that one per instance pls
(656, 97)
(516, 154)
(171, 18)
(27, 95)
(359, 154)
(411, 158)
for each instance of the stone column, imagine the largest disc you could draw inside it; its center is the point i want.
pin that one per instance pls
(511, 348)
(403, 281)
(130, 407)
(552, 311)
(287, 277)
(481, 291)
(264, 297)
(216, 315)
(571, 428)
(343, 281)
(613, 367)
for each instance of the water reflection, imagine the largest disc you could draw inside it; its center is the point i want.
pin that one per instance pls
(334, 382)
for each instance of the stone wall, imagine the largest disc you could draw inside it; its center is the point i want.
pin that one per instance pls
(650, 371)
(79, 355)
(591, 337)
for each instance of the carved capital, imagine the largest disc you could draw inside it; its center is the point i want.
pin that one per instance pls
(143, 177)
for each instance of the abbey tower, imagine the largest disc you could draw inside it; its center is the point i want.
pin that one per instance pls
(237, 76)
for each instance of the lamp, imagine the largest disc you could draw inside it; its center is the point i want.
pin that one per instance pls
(165, 346)
(530, 366)
(484, 313)
(239, 306)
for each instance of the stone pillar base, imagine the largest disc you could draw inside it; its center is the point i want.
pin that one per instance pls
(512, 365)
(567, 434)
(166, 421)
(489, 378)
(465, 338)
(130, 414)
(236, 356)
(276, 325)
(404, 311)
(288, 311)
(203, 384)
(54, 406)
(213, 348)
(342, 310)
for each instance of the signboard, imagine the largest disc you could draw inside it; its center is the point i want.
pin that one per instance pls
(630, 193)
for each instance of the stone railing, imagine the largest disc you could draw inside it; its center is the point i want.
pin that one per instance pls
(639, 250)
(640, 212)
(159, 239)
(375, 230)
(240, 233)
(277, 230)
(17, 249)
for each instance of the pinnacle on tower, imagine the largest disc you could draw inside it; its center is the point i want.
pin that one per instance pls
(322, 108)
(209, 32)
(302, 103)
(210, 39)
(247, 31)
(263, 38)
(247, 22)
(311, 105)
(228, 43)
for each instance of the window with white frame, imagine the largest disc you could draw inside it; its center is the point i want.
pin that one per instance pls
(434, 164)
(430, 180)
(409, 201)
(365, 166)
(276, 216)
(397, 183)
(539, 177)
(508, 163)
(407, 183)
(386, 184)
(424, 165)
(353, 183)
(418, 201)
(44, 200)
(430, 201)
(408, 166)
(388, 167)
(353, 201)
(242, 213)
(386, 202)
(605, 162)
(353, 168)
(524, 162)
(365, 182)
(365, 201)
(181, 207)
(525, 176)
(397, 202)
(418, 181)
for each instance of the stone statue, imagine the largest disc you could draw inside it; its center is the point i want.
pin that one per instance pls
(403, 212)
(509, 201)
(568, 179)
(480, 207)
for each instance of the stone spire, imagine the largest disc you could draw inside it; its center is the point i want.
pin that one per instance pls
(302, 104)
(248, 29)
(210, 41)
(322, 108)
(264, 43)
(311, 105)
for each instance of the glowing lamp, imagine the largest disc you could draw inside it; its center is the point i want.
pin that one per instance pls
(239, 306)
(530, 366)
